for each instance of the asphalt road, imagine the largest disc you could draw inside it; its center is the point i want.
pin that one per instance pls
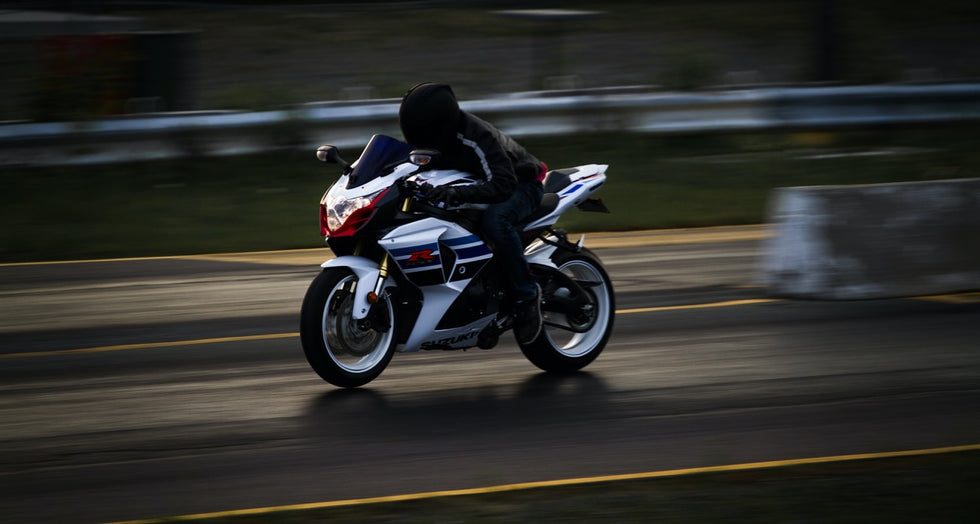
(175, 404)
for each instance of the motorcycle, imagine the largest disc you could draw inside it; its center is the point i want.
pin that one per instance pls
(411, 274)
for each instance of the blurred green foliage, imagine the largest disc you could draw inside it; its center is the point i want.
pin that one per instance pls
(270, 201)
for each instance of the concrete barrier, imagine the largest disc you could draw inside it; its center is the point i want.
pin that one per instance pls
(874, 241)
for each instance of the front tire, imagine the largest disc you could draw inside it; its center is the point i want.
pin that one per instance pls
(571, 340)
(344, 352)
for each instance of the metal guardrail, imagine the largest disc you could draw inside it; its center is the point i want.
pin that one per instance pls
(351, 124)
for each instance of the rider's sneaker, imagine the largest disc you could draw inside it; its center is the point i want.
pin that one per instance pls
(527, 319)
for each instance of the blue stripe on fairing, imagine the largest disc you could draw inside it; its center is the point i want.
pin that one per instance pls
(453, 242)
(409, 267)
(415, 268)
(571, 189)
(467, 253)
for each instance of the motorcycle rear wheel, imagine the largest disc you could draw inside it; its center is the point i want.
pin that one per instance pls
(343, 351)
(574, 346)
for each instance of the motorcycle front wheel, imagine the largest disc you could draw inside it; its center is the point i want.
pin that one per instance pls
(571, 338)
(343, 351)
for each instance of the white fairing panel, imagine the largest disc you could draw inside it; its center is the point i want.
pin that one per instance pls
(374, 185)
(584, 182)
(440, 258)
(441, 177)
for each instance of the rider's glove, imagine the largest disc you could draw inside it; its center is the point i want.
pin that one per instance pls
(447, 194)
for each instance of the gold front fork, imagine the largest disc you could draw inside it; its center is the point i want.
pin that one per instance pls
(384, 265)
(385, 262)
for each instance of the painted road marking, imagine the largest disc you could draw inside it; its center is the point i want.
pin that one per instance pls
(600, 240)
(565, 482)
(953, 299)
(244, 338)
(960, 298)
(727, 303)
(150, 345)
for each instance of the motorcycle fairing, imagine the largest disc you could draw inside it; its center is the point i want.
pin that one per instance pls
(419, 258)
(441, 258)
(471, 255)
(369, 187)
(582, 182)
(455, 338)
(380, 151)
(433, 251)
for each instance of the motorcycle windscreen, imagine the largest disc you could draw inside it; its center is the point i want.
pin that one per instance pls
(380, 155)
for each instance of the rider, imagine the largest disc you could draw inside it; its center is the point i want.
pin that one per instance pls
(430, 117)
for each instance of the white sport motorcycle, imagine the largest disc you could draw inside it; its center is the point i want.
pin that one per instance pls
(411, 274)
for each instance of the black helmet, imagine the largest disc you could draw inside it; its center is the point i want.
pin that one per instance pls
(429, 116)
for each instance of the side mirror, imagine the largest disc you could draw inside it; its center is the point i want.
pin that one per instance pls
(328, 153)
(423, 157)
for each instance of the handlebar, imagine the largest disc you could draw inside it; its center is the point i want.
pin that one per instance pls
(417, 191)
(410, 185)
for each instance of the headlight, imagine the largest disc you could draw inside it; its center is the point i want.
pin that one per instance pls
(339, 213)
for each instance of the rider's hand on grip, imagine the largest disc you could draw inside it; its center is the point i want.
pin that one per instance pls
(447, 194)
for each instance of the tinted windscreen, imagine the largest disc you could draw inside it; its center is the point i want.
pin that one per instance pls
(381, 152)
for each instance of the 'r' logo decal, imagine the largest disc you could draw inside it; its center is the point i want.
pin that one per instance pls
(416, 257)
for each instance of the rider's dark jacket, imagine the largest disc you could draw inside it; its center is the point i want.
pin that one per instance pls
(430, 117)
(481, 149)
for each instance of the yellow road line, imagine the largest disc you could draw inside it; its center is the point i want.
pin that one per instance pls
(566, 482)
(960, 298)
(313, 256)
(727, 303)
(244, 338)
(150, 345)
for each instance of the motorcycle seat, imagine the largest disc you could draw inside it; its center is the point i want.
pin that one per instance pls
(555, 181)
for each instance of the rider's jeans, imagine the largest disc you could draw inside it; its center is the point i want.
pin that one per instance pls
(499, 224)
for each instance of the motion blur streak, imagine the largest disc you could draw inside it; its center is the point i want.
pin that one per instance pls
(960, 298)
(568, 482)
(151, 345)
(726, 303)
(156, 345)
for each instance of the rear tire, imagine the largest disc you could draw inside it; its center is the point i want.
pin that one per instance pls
(341, 350)
(562, 350)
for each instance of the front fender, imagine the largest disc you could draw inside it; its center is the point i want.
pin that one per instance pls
(367, 272)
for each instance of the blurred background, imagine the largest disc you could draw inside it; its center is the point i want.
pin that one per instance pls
(172, 386)
(75, 59)
(81, 62)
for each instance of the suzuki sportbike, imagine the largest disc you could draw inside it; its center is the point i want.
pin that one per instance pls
(411, 274)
